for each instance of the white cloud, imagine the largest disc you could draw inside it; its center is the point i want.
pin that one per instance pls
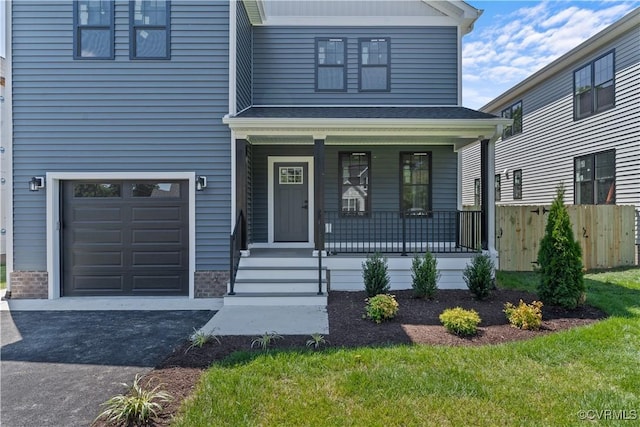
(518, 44)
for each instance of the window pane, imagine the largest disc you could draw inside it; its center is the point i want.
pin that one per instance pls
(415, 183)
(584, 169)
(94, 12)
(516, 113)
(584, 104)
(96, 190)
(498, 187)
(582, 80)
(517, 184)
(606, 191)
(151, 43)
(604, 96)
(331, 52)
(605, 165)
(584, 193)
(155, 189)
(603, 70)
(476, 192)
(354, 183)
(374, 78)
(95, 43)
(415, 199)
(330, 78)
(150, 12)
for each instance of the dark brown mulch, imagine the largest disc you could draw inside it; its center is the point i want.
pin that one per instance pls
(417, 322)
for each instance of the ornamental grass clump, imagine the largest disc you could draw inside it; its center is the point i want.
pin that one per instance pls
(560, 259)
(479, 276)
(460, 322)
(376, 275)
(524, 316)
(425, 275)
(381, 307)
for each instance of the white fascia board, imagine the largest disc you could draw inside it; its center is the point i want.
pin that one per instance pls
(362, 21)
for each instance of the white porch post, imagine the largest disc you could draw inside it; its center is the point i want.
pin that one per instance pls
(491, 195)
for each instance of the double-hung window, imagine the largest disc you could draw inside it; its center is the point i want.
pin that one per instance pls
(513, 112)
(594, 87)
(149, 29)
(415, 179)
(331, 68)
(374, 61)
(517, 184)
(595, 179)
(355, 170)
(498, 187)
(93, 36)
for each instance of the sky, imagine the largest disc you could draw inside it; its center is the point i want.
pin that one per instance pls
(513, 39)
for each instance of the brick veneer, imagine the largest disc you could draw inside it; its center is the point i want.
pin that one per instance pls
(29, 284)
(209, 284)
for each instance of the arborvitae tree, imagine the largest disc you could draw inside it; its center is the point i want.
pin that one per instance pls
(560, 259)
(376, 275)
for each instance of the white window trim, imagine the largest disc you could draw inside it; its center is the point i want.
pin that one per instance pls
(53, 217)
(272, 160)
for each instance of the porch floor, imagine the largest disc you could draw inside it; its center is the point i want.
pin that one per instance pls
(308, 253)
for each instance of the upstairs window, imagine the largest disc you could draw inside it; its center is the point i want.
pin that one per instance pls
(415, 171)
(374, 65)
(513, 112)
(354, 183)
(594, 87)
(93, 36)
(331, 69)
(517, 184)
(149, 29)
(595, 179)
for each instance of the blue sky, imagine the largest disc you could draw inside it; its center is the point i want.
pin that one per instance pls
(514, 39)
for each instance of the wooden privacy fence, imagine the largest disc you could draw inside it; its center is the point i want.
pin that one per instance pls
(606, 234)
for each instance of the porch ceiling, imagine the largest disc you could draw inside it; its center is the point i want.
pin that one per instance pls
(455, 126)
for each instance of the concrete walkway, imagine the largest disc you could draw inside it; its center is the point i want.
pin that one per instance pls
(256, 320)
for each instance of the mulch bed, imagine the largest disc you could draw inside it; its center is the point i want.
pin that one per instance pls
(417, 322)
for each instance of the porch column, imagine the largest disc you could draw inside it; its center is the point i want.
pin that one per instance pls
(487, 194)
(318, 193)
(241, 186)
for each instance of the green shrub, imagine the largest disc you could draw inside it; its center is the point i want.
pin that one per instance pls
(560, 259)
(135, 407)
(381, 307)
(459, 321)
(316, 341)
(425, 275)
(375, 274)
(265, 340)
(479, 276)
(524, 316)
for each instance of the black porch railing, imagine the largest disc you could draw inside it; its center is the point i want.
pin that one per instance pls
(237, 242)
(393, 232)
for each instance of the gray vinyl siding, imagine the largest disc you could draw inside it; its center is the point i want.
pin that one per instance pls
(424, 68)
(551, 139)
(384, 177)
(244, 57)
(120, 115)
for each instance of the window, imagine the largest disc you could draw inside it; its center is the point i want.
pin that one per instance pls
(415, 178)
(93, 29)
(593, 87)
(354, 183)
(155, 189)
(96, 190)
(514, 112)
(498, 187)
(149, 31)
(331, 69)
(594, 182)
(517, 184)
(476, 192)
(374, 65)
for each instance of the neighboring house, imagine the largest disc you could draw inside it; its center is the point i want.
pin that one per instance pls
(149, 131)
(576, 121)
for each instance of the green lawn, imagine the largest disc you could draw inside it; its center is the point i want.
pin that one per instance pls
(3, 276)
(542, 382)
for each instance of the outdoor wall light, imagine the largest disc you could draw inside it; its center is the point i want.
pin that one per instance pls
(36, 183)
(201, 183)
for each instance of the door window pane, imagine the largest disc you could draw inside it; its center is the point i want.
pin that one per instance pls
(96, 190)
(155, 189)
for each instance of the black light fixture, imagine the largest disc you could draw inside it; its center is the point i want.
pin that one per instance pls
(36, 183)
(201, 183)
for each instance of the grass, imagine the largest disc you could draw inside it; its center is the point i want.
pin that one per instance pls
(3, 276)
(544, 381)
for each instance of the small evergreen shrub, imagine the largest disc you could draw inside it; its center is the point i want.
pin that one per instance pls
(376, 275)
(425, 275)
(381, 307)
(479, 276)
(460, 322)
(524, 316)
(560, 259)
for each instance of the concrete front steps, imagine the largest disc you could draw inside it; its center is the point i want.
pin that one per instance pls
(277, 281)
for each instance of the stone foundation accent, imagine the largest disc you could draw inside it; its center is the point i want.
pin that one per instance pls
(209, 284)
(29, 284)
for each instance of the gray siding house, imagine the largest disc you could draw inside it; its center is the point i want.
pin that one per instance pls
(192, 149)
(576, 121)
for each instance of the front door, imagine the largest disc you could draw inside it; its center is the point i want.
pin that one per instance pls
(291, 202)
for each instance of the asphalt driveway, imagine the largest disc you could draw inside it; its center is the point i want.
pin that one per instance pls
(57, 367)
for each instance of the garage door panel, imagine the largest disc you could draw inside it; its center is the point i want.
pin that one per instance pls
(93, 214)
(94, 237)
(158, 284)
(166, 236)
(158, 213)
(92, 284)
(97, 259)
(160, 259)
